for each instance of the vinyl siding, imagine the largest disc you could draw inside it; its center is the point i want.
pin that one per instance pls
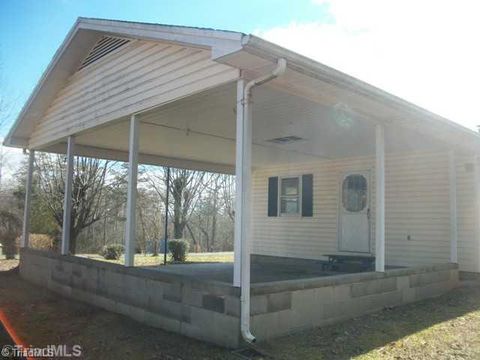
(416, 204)
(135, 77)
(468, 244)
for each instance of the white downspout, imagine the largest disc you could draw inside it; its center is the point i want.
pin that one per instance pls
(245, 253)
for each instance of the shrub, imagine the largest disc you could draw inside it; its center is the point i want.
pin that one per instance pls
(41, 241)
(179, 249)
(112, 252)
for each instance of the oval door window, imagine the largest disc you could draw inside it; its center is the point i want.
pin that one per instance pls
(354, 193)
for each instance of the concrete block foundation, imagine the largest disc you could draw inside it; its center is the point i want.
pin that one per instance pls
(210, 310)
(326, 300)
(204, 310)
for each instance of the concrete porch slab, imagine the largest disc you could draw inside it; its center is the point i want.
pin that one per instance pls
(260, 272)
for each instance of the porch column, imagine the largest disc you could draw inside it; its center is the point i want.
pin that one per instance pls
(130, 229)
(380, 198)
(67, 201)
(242, 178)
(452, 174)
(28, 200)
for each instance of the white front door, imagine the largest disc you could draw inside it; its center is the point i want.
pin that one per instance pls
(354, 213)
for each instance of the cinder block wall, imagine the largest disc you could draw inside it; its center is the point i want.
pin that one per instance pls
(203, 310)
(210, 311)
(289, 306)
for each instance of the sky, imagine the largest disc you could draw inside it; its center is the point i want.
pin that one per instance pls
(425, 51)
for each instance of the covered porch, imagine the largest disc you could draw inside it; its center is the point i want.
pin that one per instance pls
(315, 176)
(312, 179)
(324, 163)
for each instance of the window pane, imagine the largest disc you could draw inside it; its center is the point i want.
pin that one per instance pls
(354, 193)
(289, 205)
(290, 186)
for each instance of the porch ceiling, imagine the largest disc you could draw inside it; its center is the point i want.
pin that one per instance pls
(199, 132)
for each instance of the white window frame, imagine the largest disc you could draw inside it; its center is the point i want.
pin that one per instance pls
(279, 200)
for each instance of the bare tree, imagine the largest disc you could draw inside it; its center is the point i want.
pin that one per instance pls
(228, 195)
(209, 210)
(149, 212)
(5, 113)
(214, 215)
(185, 190)
(201, 207)
(88, 191)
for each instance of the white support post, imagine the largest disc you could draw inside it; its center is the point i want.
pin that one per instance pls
(245, 201)
(28, 200)
(452, 174)
(130, 229)
(380, 198)
(67, 201)
(239, 185)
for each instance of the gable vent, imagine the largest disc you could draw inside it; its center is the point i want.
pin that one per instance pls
(103, 47)
(285, 140)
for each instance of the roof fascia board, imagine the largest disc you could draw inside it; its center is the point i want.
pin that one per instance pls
(221, 42)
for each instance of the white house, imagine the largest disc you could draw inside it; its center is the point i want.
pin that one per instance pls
(325, 163)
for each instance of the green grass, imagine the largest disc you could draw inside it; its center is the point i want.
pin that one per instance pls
(149, 260)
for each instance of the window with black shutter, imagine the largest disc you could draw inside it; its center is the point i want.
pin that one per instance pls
(273, 196)
(307, 195)
(290, 196)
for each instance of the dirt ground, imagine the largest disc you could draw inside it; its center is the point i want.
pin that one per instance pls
(447, 327)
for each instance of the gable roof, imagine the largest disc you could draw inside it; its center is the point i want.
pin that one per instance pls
(80, 40)
(226, 47)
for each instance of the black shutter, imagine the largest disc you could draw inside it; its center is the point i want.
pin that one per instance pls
(307, 195)
(273, 196)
